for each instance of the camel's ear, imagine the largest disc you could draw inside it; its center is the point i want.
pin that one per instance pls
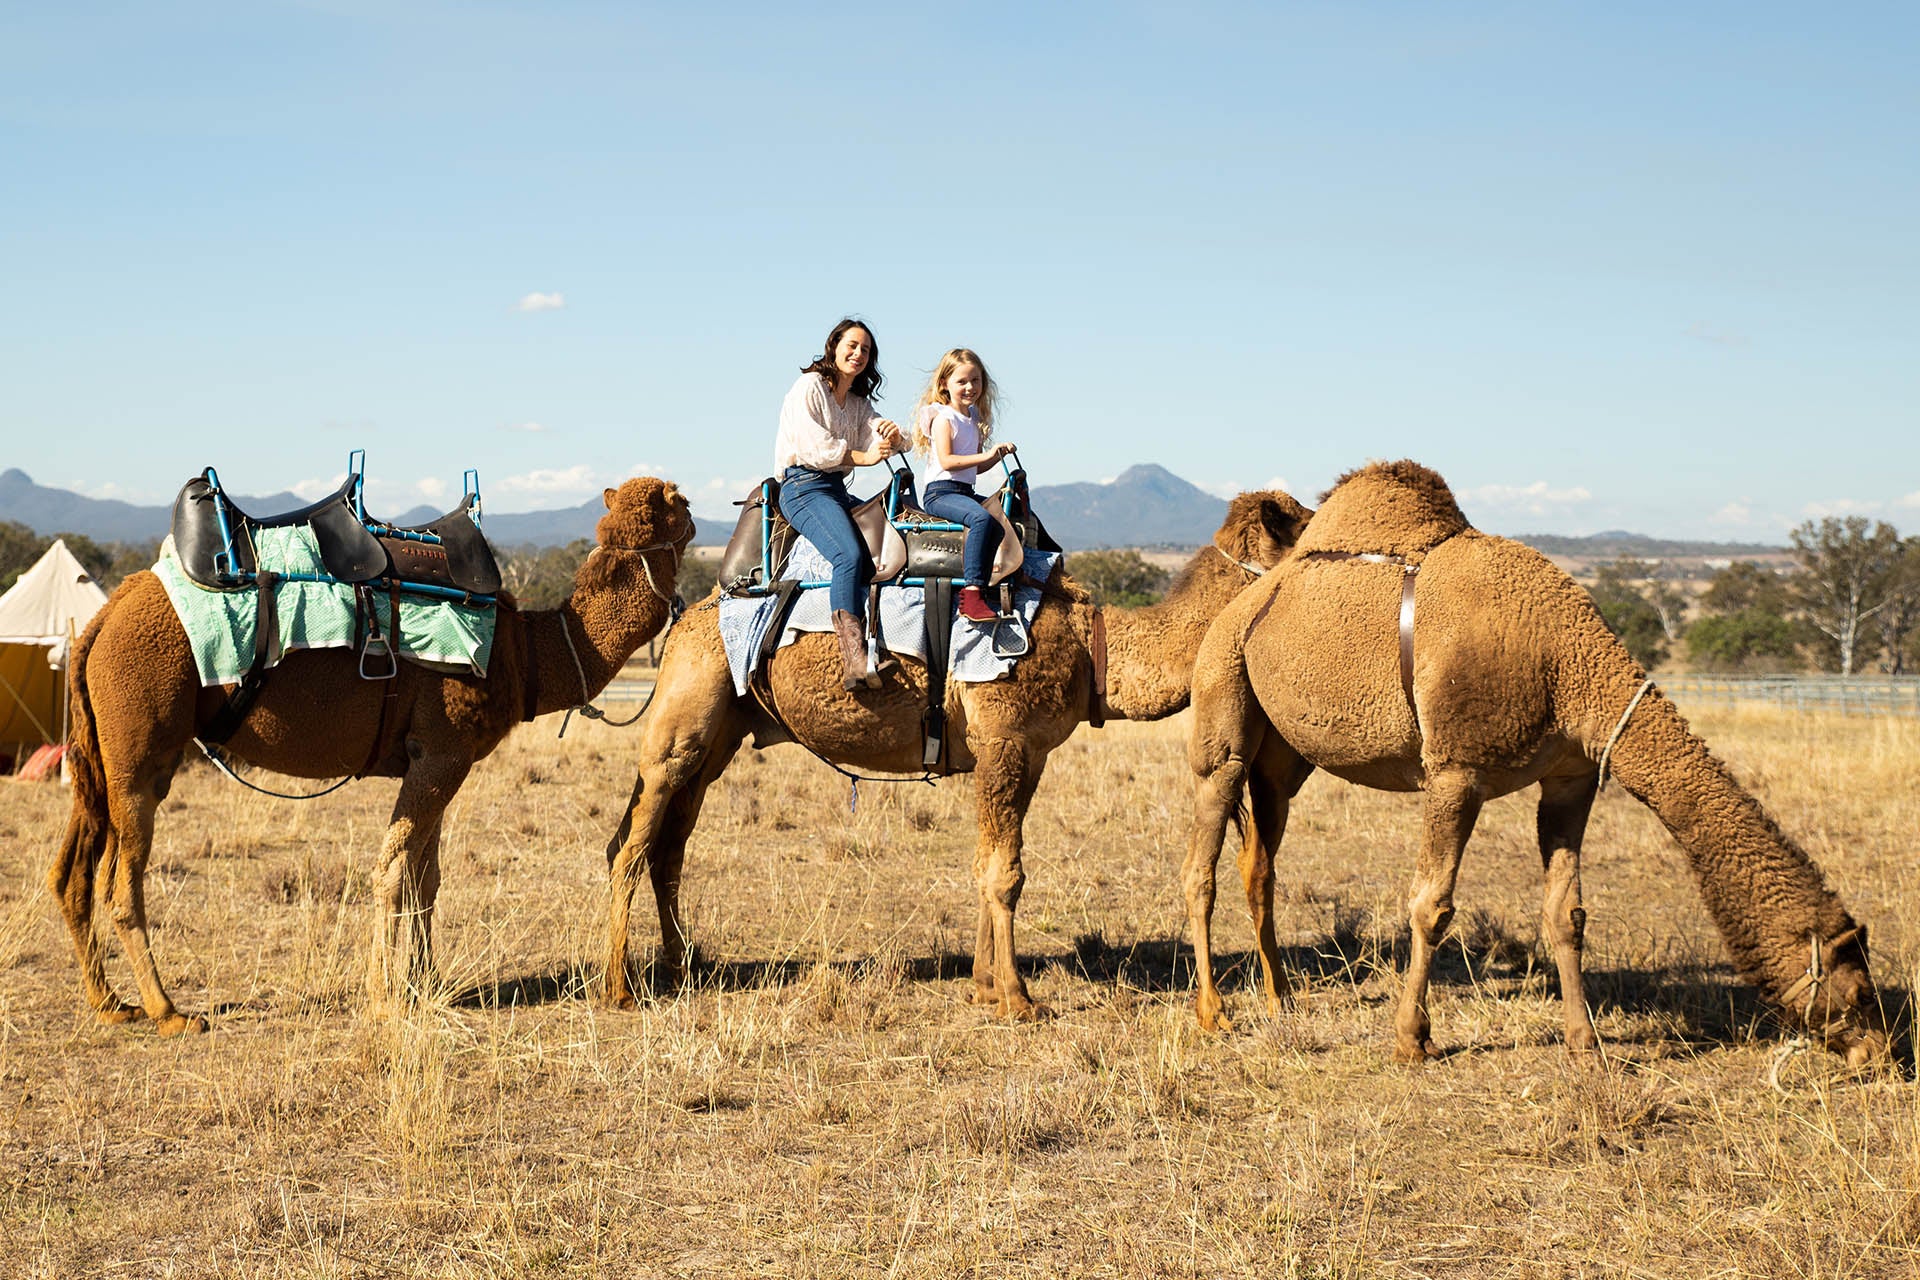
(1854, 937)
(606, 496)
(1276, 527)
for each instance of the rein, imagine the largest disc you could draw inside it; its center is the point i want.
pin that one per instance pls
(676, 609)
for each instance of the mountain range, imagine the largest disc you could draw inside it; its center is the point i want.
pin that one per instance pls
(1144, 506)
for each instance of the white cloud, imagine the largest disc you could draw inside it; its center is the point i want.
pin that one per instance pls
(313, 490)
(1840, 507)
(577, 479)
(541, 302)
(1910, 502)
(433, 488)
(1734, 513)
(532, 428)
(1536, 499)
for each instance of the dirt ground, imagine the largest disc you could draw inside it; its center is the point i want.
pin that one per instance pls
(821, 1101)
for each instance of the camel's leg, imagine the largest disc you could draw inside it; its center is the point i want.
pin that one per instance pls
(1276, 777)
(1564, 805)
(409, 880)
(86, 847)
(668, 855)
(1005, 776)
(689, 738)
(1222, 770)
(1453, 803)
(132, 808)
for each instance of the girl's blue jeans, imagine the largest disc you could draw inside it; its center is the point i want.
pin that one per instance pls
(951, 500)
(816, 504)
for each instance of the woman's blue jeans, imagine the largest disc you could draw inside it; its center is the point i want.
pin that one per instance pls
(816, 504)
(951, 500)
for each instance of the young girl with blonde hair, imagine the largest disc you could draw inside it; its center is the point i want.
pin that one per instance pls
(952, 427)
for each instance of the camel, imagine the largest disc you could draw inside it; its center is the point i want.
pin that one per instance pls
(138, 705)
(1515, 680)
(1001, 731)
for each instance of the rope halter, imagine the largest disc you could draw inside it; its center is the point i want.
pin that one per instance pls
(674, 610)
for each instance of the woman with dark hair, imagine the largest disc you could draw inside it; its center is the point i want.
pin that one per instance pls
(827, 428)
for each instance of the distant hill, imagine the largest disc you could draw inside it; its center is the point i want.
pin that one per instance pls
(1611, 544)
(1144, 506)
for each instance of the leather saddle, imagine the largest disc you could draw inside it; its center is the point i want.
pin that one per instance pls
(912, 544)
(213, 540)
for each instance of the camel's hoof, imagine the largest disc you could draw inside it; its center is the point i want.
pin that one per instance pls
(1022, 1009)
(1415, 1055)
(1583, 1048)
(623, 1002)
(179, 1024)
(118, 1015)
(1210, 1017)
(982, 993)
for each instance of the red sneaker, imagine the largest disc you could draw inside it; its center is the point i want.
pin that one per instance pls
(974, 606)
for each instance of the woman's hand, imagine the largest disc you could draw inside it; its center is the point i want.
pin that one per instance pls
(1002, 450)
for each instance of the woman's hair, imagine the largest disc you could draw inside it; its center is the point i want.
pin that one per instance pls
(936, 393)
(868, 383)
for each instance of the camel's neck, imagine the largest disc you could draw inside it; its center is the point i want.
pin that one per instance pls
(1765, 894)
(1150, 651)
(606, 618)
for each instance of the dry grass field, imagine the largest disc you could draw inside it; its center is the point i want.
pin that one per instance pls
(821, 1102)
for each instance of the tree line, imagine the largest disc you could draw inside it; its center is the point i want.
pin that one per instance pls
(1850, 603)
(106, 562)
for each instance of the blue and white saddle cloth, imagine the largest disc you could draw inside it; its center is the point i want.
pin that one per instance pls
(980, 653)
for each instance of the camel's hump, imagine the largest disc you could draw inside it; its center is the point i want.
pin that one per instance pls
(1394, 508)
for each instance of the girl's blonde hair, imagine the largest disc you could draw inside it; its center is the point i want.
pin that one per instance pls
(936, 393)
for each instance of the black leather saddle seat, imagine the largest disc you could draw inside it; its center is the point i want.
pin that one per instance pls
(450, 553)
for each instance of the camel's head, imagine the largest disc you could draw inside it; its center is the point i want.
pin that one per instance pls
(645, 512)
(1261, 527)
(1837, 1001)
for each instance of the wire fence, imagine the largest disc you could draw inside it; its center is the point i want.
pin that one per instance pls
(1848, 695)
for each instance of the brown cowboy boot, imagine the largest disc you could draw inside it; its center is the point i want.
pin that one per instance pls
(851, 631)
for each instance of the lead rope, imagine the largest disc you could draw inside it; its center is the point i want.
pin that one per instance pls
(220, 764)
(1812, 979)
(1607, 754)
(676, 609)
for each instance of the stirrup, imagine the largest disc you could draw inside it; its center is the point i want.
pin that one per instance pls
(385, 651)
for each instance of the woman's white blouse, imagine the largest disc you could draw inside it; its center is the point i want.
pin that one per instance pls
(815, 432)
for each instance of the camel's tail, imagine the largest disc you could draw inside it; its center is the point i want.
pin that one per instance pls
(71, 876)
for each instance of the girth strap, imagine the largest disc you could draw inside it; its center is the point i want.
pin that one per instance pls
(785, 592)
(266, 627)
(939, 622)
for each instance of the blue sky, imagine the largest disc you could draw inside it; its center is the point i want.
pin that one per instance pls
(1628, 266)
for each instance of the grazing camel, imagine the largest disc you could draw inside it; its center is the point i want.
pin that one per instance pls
(1001, 731)
(1514, 679)
(138, 705)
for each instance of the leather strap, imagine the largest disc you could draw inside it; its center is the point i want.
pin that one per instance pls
(1406, 634)
(1097, 713)
(266, 624)
(390, 698)
(939, 621)
(785, 592)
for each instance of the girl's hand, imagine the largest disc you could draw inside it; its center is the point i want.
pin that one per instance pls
(1002, 450)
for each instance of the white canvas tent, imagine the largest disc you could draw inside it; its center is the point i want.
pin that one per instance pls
(40, 617)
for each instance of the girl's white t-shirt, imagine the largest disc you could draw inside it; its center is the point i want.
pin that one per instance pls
(966, 439)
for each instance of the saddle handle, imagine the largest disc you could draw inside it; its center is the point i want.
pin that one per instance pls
(470, 488)
(224, 566)
(356, 472)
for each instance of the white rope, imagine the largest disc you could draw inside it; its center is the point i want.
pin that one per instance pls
(1607, 754)
(1257, 571)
